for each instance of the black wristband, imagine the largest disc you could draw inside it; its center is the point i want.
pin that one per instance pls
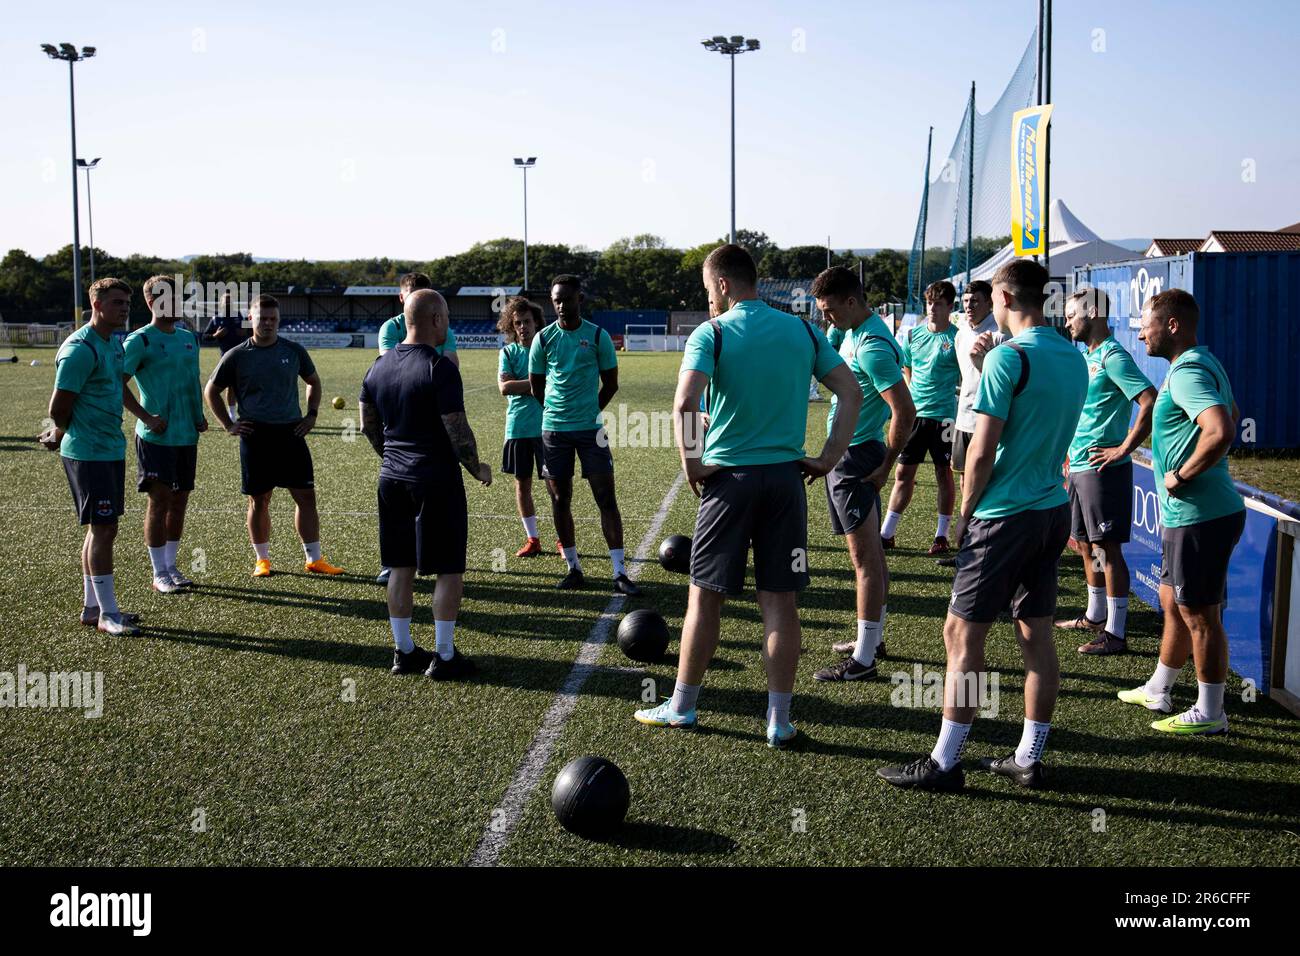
(1178, 476)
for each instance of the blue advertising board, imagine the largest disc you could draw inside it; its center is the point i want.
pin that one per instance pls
(1248, 617)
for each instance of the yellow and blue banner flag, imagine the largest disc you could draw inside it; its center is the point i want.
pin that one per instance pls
(1028, 164)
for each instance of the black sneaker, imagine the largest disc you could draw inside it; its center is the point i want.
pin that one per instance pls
(1033, 776)
(623, 585)
(457, 666)
(847, 669)
(924, 774)
(572, 580)
(950, 562)
(416, 662)
(880, 651)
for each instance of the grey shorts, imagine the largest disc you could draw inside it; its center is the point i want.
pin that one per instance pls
(589, 445)
(960, 445)
(765, 506)
(1101, 504)
(849, 499)
(1194, 559)
(1010, 562)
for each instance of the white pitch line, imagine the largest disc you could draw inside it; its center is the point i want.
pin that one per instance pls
(529, 772)
(289, 510)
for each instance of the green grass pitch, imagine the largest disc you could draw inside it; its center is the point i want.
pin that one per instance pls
(228, 735)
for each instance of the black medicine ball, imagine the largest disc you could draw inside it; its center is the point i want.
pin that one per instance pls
(675, 554)
(643, 635)
(590, 797)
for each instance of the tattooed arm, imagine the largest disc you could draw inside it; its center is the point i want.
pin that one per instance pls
(372, 427)
(466, 448)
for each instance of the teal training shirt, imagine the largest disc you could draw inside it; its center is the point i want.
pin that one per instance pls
(166, 371)
(92, 367)
(758, 396)
(523, 412)
(572, 362)
(1114, 380)
(932, 357)
(873, 358)
(394, 331)
(1039, 421)
(1196, 380)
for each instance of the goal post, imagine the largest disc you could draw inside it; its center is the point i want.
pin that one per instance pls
(651, 338)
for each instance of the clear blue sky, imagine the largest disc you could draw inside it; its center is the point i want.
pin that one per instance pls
(331, 130)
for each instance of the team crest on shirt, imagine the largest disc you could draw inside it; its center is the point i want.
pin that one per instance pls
(945, 346)
(584, 344)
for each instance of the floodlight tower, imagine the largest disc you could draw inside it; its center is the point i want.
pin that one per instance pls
(732, 47)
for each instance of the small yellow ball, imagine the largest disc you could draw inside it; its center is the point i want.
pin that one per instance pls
(338, 401)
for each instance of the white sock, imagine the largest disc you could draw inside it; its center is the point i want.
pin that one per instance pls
(1096, 603)
(444, 634)
(1209, 699)
(1163, 680)
(1032, 741)
(778, 708)
(880, 634)
(158, 561)
(172, 548)
(530, 526)
(890, 527)
(684, 697)
(88, 591)
(312, 550)
(571, 555)
(103, 585)
(941, 529)
(402, 634)
(868, 641)
(947, 749)
(616, 559)
(263, 551)
(1116, 615)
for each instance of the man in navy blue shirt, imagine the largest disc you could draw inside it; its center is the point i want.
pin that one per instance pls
(413, 414)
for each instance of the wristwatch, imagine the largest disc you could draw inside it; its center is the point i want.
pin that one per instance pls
(1178, 476)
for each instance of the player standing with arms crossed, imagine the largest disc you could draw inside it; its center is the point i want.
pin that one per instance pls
(930, 364)
(1201, 513)
(413, 413)
(574, 374)
(748, 473)
(86, 409)
(853, 485)
(1014, 523)
(521, 454)
(272, 431)
(1100, 470)
(164, 360)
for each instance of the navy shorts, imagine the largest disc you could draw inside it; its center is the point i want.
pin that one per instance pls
(98, 489)
(423, 525)
(591, 446)
(521, 456)
(932, 436)
(850, 499)
(765, 506)
(170, 465)
(1010, 562)
(1101, 504)
(274, 457)
(1194, 559)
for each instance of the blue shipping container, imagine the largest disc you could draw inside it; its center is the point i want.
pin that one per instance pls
(1250, 320)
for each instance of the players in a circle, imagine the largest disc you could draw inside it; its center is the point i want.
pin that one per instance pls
(574, 374)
